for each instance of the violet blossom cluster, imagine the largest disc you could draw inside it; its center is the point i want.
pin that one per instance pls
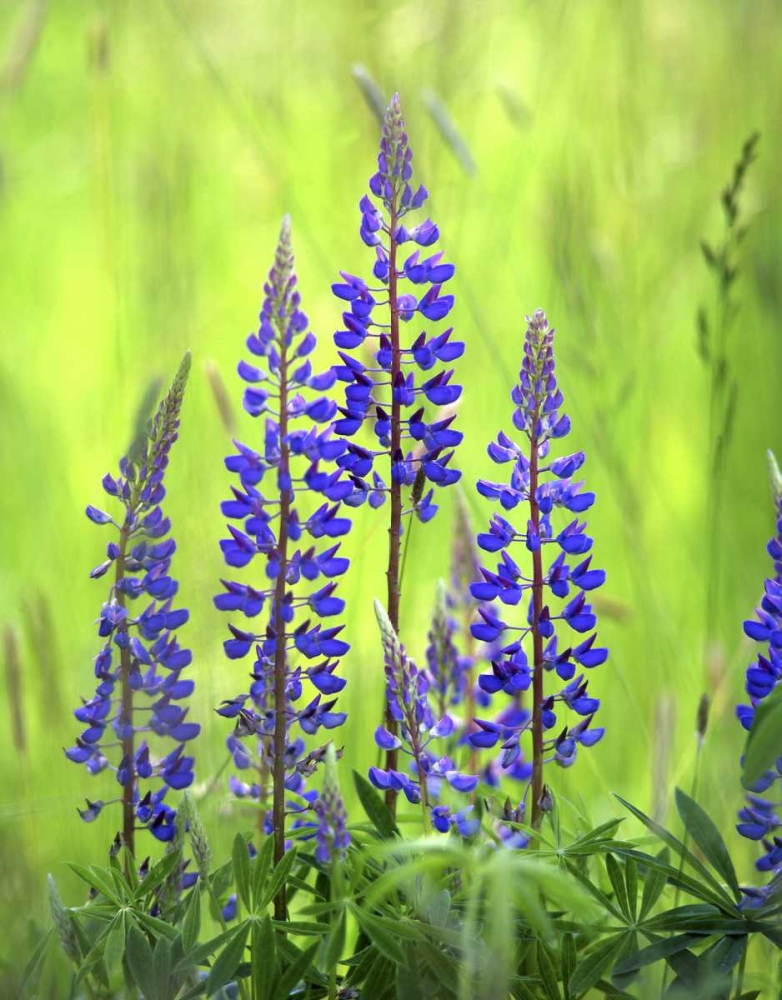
(140, 695)
(390, 384)
(759, 820)
(294, 596)
(407, 695)
(544, 486)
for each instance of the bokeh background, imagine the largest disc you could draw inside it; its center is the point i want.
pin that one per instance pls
(575, 152)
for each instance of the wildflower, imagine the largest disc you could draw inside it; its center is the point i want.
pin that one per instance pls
(396, 386)
(759, 819)
(407, 694)
(331, 835)
(138, 701)
(289, 607)
(447, 670)
(543, 485)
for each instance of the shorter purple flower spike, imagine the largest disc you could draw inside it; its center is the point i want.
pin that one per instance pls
(407, 694)
(545, 487)
(447, 671)
(140, 656)
(331, 833)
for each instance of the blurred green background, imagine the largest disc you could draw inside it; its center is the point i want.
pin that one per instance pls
(147, 154)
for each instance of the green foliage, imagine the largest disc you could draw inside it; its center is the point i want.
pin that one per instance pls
(439, 918)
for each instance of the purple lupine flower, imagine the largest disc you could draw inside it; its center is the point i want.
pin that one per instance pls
(447, 670)
(399, 387)
(546, 487)
(760, 820)
(331, 833)
(289, 608)
(400, 391)
(418, 732)
(139, 699)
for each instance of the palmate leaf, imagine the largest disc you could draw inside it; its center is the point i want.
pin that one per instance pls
(228, 961)
(679, 848)
(240, 859)
(265, 963)
(279, 877)
(655, 952)
(764, 741)
(382, 932)
(591, 968)
(705, 834)
(296, 971)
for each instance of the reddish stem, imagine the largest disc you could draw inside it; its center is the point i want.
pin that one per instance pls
(395, 527)
(537, 639)
(280, 708)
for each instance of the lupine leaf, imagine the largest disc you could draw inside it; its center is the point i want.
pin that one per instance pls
(296, 971)
(408, 975)
(380, 980)
(158, 874)
(705, 834)
(547, 973)
(161, 969)
(191, 924)
(241, 866)
(622, 977)
(618, 885)
(727, 953)
(377, 811)
(34, 967)
(764, 742)
(441, 964)
(265, 964)
(654, 884)
(115, 941)
(138, 955)
(380, 931)
(657, 951)
(335, 943)
(228, 961)
(95, 878)
(261, 866)
(591, 968)
(198, 955)
(569, 960)
(675, 845)
(631, 881)
(594, 891)
(279, 876)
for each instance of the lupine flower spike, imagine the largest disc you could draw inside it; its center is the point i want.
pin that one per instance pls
(447, 670)
(299, 550)
(418, 732)
(394, 384)
(759, 820)
(331, 835)
(544, 486)
(140, 692)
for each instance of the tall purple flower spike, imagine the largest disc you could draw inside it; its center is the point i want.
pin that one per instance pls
(759, 820)
(546, 487)
(298, 546)
(138, 702)
(401, 388)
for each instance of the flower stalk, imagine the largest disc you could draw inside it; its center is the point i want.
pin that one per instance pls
(416, 448)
